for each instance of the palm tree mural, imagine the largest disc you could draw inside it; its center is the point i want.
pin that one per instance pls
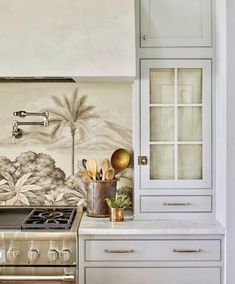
(73, 112)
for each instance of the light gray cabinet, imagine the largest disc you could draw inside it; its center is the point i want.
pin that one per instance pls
(175, 156)
(170, 275)
(175, 123)
(137, 259)
(180, 23)
(174, 107)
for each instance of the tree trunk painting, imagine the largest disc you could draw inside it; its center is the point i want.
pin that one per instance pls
(73, 112)
(73, 138)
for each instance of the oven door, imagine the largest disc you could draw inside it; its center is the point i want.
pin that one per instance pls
(38, 275)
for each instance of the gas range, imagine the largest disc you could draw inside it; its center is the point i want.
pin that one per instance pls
(39, 244)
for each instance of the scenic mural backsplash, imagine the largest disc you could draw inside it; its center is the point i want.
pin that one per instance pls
(85, 121)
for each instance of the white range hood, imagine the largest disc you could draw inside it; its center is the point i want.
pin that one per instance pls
(72, 38)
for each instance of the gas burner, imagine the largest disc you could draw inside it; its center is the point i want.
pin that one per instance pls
(49, 218)
(51, 215)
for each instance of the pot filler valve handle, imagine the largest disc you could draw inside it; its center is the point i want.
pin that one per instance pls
(17, 132)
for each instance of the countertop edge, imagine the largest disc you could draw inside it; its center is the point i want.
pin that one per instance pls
(95, 226)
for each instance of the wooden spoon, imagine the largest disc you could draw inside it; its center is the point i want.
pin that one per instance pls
(91, 166)
(105, 166)
(109, 175)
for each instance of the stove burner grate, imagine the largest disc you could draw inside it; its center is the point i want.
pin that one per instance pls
(49, 218)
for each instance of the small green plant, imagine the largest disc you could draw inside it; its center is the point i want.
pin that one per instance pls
(121, 201)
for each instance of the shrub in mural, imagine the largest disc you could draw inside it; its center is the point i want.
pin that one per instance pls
(34, 179)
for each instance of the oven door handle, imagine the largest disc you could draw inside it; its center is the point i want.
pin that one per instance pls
(32, 278)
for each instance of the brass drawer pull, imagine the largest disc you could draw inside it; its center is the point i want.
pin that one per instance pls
(187, 250)
(119, 250)
(176, 203)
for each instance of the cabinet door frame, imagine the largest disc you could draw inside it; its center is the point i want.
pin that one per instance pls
(205, 65)
(150, 40)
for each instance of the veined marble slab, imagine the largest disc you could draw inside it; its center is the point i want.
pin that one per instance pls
(102, 226)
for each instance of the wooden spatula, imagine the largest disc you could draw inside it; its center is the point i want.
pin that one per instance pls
(105, 166)
(91, 166)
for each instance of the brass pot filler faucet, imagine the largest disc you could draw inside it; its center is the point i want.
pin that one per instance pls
(17, 132)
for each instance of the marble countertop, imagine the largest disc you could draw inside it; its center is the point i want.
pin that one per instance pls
(102, 226)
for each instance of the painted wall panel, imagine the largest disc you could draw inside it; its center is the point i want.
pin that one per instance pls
(100, 116)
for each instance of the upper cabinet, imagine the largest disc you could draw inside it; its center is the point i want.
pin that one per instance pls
(181, 23)
(176, 123)
(175, 107)
(79, 38)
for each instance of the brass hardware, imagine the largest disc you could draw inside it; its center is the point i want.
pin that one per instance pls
(142, 160)
(119, 250)
(187, 250)
(176, 203)
(145, 37)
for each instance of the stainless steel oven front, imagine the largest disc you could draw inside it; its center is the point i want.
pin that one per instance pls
(37, 275)
(38, 257)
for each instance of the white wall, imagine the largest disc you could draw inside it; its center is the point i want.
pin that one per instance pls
(230, 142)
(77, 38)
(220, 125)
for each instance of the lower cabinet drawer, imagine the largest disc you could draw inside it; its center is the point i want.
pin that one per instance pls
(175, 204)
(152, 250)
(176, 275)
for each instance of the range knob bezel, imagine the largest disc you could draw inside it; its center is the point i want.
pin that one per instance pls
(53, 255)
(13, 254)
(33, 255)
(66, 255)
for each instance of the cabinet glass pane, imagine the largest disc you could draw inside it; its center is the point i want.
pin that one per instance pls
(189, 124)
(161, 123)
(189, 161)
(161, 86)
(161, 161)
(189, 86)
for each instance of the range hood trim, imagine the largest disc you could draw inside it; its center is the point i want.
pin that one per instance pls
(37, 79)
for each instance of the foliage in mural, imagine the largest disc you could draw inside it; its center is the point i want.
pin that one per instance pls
(33, 179)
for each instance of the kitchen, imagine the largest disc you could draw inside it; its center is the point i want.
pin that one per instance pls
(149, 83)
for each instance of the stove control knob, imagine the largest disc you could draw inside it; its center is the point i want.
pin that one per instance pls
(53, 255)
(66, 255)
(33, 255)
(13, 254)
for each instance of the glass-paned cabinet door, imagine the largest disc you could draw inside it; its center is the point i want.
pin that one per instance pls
(176, 123)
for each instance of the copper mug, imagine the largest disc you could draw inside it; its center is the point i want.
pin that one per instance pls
(116, 214)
